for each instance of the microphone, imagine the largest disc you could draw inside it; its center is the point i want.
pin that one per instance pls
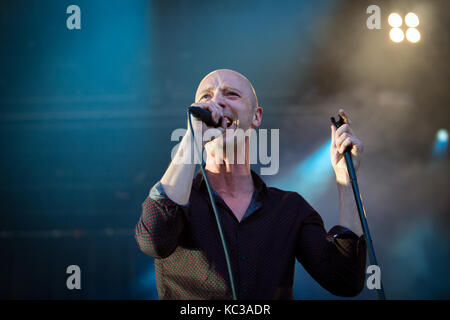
(205, 116)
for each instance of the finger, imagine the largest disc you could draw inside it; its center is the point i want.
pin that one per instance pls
(344, 128)
(344, 116)
(342, 138)
(215, 114)
(347, 143)
(222, 130)
(333, 135)
(214, 110)
(358, 145)
(218, 107)
(205, 105)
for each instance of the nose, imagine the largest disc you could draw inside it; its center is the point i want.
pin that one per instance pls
(218, 98)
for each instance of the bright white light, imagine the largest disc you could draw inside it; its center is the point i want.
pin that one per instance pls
(397, 35)
(413, 35)
(412, 20)
(442, 135)
(395, 20)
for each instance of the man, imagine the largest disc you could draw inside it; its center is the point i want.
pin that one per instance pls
(266, 229)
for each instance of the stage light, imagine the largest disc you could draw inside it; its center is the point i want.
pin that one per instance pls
(395, 20)
(413, 35)
(412, 20)
(440, 147)
(396, 35)
(442, 136)
(311, 176)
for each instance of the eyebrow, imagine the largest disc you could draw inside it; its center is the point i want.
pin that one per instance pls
(224, 88)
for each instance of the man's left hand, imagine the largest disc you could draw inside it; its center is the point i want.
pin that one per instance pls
(341, 139)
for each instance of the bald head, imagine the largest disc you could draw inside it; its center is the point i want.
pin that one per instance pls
(228, 78)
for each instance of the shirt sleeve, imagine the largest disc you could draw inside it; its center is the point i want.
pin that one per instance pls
(161, 223)
(335, 259)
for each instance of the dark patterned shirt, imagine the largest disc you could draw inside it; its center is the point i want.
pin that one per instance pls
(277, 228)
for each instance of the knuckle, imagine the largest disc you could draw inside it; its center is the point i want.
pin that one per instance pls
(342, 129)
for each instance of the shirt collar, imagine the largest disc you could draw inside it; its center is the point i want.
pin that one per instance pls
(260, 185)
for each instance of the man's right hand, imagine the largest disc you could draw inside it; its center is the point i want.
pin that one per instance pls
(199, 126)
(177, 180)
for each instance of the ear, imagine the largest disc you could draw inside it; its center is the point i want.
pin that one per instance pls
(257, 117)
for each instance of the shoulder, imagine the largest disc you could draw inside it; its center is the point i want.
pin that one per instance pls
(292, 204)
(290, 199)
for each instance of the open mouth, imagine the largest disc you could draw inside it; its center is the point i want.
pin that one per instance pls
(227, 123)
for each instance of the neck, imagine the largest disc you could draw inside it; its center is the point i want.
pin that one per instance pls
(229, 179)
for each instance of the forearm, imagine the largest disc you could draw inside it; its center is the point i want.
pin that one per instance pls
(336, 259)
(348, 212)
(177, 180)
(160, 225)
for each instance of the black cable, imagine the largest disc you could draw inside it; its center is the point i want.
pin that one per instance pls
(213, 203)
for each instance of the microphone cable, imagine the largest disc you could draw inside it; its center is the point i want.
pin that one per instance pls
(214, 207)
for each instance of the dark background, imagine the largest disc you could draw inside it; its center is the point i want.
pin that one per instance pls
(86, 117)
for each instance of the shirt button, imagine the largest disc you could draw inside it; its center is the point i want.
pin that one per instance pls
(243, 258)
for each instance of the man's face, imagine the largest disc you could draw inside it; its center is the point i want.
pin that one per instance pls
(234, 93)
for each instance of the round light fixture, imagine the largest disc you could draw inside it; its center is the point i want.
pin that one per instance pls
(395, 20)
(412, 20)
(413, 35)
(442, 135)
(397, 35)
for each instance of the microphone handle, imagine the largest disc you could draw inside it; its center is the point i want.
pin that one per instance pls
(204, 116)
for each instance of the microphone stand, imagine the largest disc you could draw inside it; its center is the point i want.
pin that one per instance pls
(359, 205)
